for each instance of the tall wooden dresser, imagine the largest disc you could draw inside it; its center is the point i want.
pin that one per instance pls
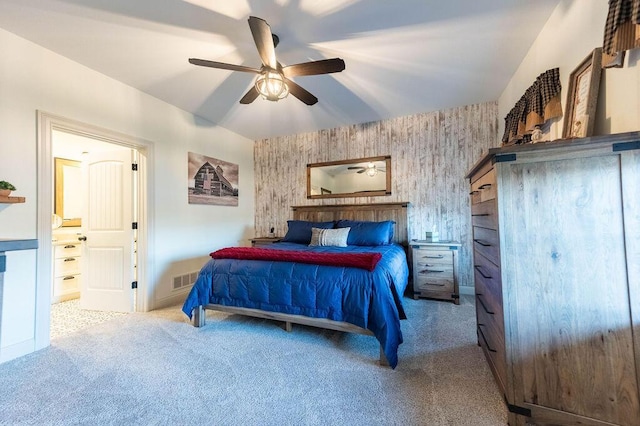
(556, 234)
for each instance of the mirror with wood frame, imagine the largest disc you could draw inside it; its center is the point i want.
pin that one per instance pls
(362, 177)
(68, 197)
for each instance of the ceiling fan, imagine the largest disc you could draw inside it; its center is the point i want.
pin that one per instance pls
(273, 81)
(370, 169)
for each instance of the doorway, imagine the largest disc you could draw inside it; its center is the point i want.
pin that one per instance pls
(50, 127)
(74, 305)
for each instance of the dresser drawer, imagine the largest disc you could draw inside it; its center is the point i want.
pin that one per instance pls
(432, 257)
(487, 243)
(485, 214)
(496, 358)
(491, 322)
(484, 188)
(67, 266)
(492, 328)
(67, 250)
(488, 282)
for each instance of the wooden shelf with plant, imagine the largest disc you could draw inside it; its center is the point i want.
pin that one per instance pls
(5, 192)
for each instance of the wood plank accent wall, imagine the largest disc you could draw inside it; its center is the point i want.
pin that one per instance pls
(430, 155)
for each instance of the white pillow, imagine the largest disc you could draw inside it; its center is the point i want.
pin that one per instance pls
(329, 237)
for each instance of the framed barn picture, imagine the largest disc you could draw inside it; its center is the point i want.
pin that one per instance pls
(212, 181)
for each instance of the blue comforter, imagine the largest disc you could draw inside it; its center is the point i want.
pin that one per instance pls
(371, 300)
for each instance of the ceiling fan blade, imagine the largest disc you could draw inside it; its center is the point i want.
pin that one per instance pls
(355, 167)
(301, 93)
(222, 65)
(361, 171)
(263, 38)
(250, 96)
(325, 66)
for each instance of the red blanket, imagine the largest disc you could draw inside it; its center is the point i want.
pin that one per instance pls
(366, 261)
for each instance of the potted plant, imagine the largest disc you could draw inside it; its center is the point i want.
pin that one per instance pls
(6, 188)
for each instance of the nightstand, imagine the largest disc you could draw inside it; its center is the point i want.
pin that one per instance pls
(264, 241)
(435, 270)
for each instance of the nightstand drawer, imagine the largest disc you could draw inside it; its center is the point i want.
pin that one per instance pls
(436, 283)
(433, 257)
(434, 270)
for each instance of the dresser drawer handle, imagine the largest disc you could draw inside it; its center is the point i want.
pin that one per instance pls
(483, 243)
(473, 192)
(480, 215)
(485, 186)
(70, 246)
(70, 259)
(479, 269)
(485, 307)
(433, 257)
(431, 271)
(68, 278)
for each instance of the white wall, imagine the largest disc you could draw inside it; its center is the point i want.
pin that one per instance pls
(574, 29)
(33, 78)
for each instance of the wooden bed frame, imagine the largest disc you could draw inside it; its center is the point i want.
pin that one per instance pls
(369, 212)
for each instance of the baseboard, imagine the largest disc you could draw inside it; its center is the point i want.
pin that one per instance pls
(17, 350)
(468, 290)
(174, 299)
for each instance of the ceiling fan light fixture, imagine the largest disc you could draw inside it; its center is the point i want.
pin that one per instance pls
(372, 170)
(271, 85)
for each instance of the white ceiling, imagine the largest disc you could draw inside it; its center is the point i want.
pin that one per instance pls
(402, 57)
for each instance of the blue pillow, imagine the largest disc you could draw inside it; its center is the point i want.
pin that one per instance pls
(368, 233)
(299, 231)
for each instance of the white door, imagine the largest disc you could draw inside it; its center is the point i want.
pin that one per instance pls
(108, 264)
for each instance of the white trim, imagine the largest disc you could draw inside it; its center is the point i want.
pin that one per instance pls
(467, 289)
(17, 350)
(46, 124)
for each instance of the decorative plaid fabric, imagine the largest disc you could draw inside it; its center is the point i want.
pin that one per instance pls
(530, 108)
(550, 87)
(620, 13)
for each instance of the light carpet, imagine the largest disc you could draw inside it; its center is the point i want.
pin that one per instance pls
(155, 368)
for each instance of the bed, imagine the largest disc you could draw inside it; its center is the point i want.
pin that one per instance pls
(362, 297)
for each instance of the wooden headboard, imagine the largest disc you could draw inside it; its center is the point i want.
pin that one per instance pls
(369, 212)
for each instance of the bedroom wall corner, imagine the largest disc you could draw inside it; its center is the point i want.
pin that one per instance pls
(571, 33)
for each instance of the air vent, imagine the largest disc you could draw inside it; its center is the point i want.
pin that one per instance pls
(186, 280)
(177, 282)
